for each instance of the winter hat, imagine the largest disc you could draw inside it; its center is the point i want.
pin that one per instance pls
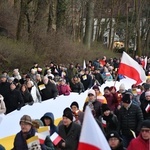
(112, 135)
(26, 119)
(147, 93)
(146, 86)
(95, 87)
(105, 107)
(11, 79)
(74, 104)
(68, 115)
(122, 87)
(66, 110)
(129, 92)
(126, 98)
(37, 123)
(14, 83)
(91, 92)
(145, 124)
(3, 76)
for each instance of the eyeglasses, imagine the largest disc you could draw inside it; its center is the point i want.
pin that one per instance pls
(145, 130)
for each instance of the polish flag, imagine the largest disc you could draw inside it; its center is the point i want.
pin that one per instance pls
(130, 68)
(103, 123)
(55, 138)
(91, 138)
(147, 109)
(43, 132)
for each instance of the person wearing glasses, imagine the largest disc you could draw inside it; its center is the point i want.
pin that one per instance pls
(142, 142)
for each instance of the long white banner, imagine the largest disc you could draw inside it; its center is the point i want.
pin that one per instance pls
(9, 124)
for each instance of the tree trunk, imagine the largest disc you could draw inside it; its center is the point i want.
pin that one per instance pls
(89, 23)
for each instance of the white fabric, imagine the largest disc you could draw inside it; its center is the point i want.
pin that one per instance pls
(10, 124)
(91, 133)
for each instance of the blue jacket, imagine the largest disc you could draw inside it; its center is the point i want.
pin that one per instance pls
(50, 115)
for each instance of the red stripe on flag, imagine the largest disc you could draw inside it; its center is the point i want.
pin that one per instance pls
(41, 141)
(85, 146)
(57, 140)
(130, 72)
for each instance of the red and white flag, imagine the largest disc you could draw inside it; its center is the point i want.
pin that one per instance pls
(130, 68)
(91, 138)
(55, 138)
(103, 123)
(43, 132)
(147, 109)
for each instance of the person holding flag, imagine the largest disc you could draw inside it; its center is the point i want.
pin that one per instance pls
(145, 105)
(69, 131)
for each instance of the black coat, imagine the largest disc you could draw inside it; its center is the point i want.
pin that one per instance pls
(49, 92)
(27, 97)
(144, 104)
(97, 107)
(86, 79)
(20, 141)
(13, 101)
(72, 138)
(4, 89)
(130, 120)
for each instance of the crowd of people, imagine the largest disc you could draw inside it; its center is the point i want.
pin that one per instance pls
(123, 115)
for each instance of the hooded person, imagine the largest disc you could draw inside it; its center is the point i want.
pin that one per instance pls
(114, 141)
(142, 142)
(69, 131)
(48, 120)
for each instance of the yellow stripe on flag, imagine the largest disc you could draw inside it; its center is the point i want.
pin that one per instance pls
(34, 138)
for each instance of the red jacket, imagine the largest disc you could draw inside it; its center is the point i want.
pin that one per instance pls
(139, 144)
(63, 89)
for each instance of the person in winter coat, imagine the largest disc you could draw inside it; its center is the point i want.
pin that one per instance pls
(4, 86)
(2, 147)
(76, 85)
(142, 142)
(78, 114)
(109, 120)
(27, 97)
(63, 88)
(27, 131)
(14, 99)
(145, 105)
(48, 120)
(93, 104)
(86, 79)
(115, 141)
(130, 119)
(34, 91)
(48, 145)
(49, 89)
(111, 100)
(70, 133)
(2, 105)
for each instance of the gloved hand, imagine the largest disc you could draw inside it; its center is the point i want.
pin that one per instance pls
(31, 103)
(18, 108)
(54, 98)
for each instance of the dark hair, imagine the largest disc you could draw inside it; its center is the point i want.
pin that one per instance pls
(107, 88)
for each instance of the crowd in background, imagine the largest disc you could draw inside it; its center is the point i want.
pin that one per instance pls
(119, 114)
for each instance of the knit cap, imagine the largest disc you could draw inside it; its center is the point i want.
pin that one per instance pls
(26, 119)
